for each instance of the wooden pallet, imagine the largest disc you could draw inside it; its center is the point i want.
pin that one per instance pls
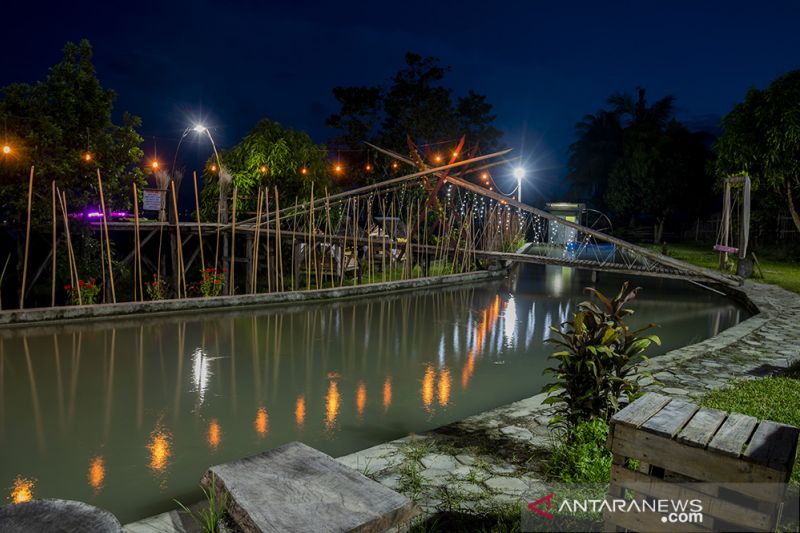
(675, 440)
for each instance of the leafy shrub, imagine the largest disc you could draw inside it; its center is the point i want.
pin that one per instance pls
(85, 292)
(582, 457)
(156, 289)
(599, 352)
(211, 284)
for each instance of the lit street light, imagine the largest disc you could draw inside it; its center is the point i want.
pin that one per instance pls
(519, 173)
(6, 149)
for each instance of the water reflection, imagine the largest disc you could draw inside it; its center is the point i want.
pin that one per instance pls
(332, 400)
(444, 387)
(214, 434)
(387, 393)
(428, 381)
(300, 411)
(361, 398)
(159, 448)
(97, 473)
(22, 490)
(262, 422)
(200, 373)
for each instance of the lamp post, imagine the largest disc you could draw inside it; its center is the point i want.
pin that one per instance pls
(519, 173)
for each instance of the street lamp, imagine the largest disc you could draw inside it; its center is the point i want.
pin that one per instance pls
(6, 149)
(519, 173)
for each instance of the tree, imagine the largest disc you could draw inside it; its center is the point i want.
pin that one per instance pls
(593, 155)
(416, 104)
(53, 124)
(761, 137)
(269, 156)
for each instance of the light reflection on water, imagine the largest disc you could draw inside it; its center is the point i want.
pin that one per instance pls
(165, 398)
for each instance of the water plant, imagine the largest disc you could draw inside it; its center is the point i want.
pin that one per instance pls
(88, 291)
(594, 367)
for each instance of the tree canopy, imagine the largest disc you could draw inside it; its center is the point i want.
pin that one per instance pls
(761, 137)
(636, 159)
(53, 124)
(269, 156)
(415, 103)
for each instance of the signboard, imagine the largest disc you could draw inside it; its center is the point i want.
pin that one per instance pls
(152, 200)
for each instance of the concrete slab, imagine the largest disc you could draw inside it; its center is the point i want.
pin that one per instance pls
(297, 488)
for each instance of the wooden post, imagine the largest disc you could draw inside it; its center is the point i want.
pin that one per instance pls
(27, 242)
(232, 261)
(199, 230)
(108, 242)
(53, 276)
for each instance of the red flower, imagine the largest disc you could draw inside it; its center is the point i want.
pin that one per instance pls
(67, 287)
(224, 269)
(80, 282)
(93, 280)
(217, 281)
(89, 286)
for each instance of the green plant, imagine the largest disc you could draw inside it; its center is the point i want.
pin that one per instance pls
(582, 457)
(599, 353)
(208, 518)
(156, 289)
(88, 291)
(211, 284)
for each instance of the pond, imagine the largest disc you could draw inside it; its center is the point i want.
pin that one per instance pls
(128, 414)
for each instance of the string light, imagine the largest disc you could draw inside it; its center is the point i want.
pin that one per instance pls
(337, 168)
(213, 167)
(6, 149)
(368, 167)
(263, 169)
(303, 171)
(87, 157)
(437, 158)
(394, 164)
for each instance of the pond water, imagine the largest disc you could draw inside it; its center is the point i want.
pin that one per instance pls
(128, 414)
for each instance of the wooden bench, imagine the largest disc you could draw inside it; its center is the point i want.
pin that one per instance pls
(297, 488)
(677, 441)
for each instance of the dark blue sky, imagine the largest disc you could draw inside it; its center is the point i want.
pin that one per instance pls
(542, 65)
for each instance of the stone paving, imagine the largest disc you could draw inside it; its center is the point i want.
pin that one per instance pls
(497, 457)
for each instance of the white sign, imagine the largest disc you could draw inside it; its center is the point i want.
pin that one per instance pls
(151, 200)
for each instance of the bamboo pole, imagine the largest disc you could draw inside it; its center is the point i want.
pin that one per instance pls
(278, 243)
(102, 265)
(328, 236)
(343, 262)
(108, 242)
(199, 232)
(70, 251)
(53, 275)
(269, 270)
(138, 241)
(232, 261)
(27, 242)
(181, 266)
(254, 262)
(356, 204)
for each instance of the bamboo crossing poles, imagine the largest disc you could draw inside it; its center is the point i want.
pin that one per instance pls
(108, 242)
(74, 277)
(199, 231)
(278, 243)
(138, 244)
(180, 271)
(254, 259)
(232, 261)
(27, 242)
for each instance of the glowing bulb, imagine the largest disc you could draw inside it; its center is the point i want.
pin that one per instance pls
(519, 173)
(337, 167)
(455, 153)
(87, 157)
(199, 128)
(263, 169)
(213, 167)
(485, 176)
(6, 149)
(155, 164)
(368, 167)
(394, 164)
(303, 171)
(437, 158)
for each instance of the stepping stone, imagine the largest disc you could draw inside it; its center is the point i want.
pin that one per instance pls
(297, 488)
(56, 515)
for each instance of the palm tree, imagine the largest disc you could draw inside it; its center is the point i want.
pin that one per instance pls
(592, 156)
(638, 113)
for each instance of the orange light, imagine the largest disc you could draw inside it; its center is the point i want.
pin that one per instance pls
(427, 387)
(332, 402)
(443, 387)
(262, 422)
(394, 164)
(97, 473)
(6, 149)
(300, 411)
(154, 164)
(22, 491)
(437, 158)
(213, 167)
(485, 176)
(214, 434)
(337, 167)
(455, 153)
(303, 171)
(159, 447)
(87, 157)
(369, 167)
(263, 169)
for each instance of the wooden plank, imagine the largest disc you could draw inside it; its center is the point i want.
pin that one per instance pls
(297, 488)
(641, 410)
(747, 517)
(697, 463)
(732, 436)
(671, 418)
(773, 445)
(702, 427)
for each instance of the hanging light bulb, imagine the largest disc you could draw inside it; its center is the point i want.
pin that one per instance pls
(368, 167)
(394, 164)
(87, 156)
(338, 168)
(303, 171)
(6, 149)
(437, 158)
(154, 164)
(263, 169)
(213, 167)
(455, 153)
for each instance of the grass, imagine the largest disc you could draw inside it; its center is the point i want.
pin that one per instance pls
(774, 398)
(779, 268)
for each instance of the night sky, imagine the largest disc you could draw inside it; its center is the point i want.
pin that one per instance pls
(543, 66)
